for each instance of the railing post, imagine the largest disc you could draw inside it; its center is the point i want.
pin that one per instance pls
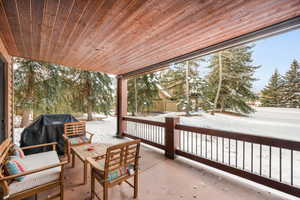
(171, 137)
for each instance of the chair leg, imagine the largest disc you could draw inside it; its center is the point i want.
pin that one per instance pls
(68, 152)
(61, 191)
(85, 164)
(36, 196)
(73, 160)
(136, 186)
(92, 185)
(105, 192)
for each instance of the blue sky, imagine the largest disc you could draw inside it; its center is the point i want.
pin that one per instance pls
(275, 52)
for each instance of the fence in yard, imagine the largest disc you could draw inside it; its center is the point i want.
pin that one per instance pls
(269, 161)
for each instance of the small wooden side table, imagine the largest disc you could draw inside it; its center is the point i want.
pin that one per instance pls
(83, 153)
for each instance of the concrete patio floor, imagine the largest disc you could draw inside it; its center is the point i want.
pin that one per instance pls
(162, 179)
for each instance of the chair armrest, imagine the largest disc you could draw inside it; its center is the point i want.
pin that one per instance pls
(99, 157)
(33, 171)
(65, 137)
(93, 160)
(42, 145)
(91, 135)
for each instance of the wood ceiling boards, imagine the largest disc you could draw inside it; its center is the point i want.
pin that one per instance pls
(120, 36)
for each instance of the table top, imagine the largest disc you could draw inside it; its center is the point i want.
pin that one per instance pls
(83, 152)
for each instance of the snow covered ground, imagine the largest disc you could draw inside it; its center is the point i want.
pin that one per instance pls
(104, 130)
(281, 123)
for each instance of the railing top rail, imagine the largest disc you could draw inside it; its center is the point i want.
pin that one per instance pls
(143, 121)
(268, 141)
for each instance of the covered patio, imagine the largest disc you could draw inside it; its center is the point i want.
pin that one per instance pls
(162, 178)
(130, 38)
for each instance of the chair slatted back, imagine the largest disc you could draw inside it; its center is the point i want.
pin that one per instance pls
(4, 149)
(4, 152)
(121, 156)
(74, 129)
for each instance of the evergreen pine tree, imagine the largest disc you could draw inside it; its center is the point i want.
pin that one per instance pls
(291, 87)
(183, 83)
(235, 88)
(142, 91)
(38, 88)
(271, 95)
(92, 92)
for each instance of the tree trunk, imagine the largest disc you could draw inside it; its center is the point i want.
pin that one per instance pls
(89, 113)
(187, 106)
(25, 117)
(222, 106)
(197, 104)
(135, 98)
(219, 85)
(29, 95)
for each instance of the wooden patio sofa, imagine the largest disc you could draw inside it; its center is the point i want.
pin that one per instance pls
(44, 171)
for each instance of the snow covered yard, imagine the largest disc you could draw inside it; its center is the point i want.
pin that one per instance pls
(104, 131)
(281, 123)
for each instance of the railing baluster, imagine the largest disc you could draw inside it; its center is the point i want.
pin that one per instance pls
(151, 134)
(201, 145)
(187, 141)
(229, 152)
(280, 164)
(223, 150)
(205, 146)
(244, 155)
(260, 159)
(161, 131)
(196, 143)
(211, 147)
(155, 138)
(217, 148)
(192, 142)
(292, 168)
(252, 157)
(136, 129)
(183, 140)
(139, 131)
(143, 130)
(157, 134)
(236, 153)
(146, 131)
(144, 127)
(270, 162)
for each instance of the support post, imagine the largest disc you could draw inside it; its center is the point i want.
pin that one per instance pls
(171, 137)
(121, 105)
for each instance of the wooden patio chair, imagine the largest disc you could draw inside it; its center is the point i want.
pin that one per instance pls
(44, 171)
(75, 134)
(118, 164)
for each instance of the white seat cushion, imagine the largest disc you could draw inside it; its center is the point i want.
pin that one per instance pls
(36, 161)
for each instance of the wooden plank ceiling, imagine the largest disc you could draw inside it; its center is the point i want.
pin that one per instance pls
(119, 36)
